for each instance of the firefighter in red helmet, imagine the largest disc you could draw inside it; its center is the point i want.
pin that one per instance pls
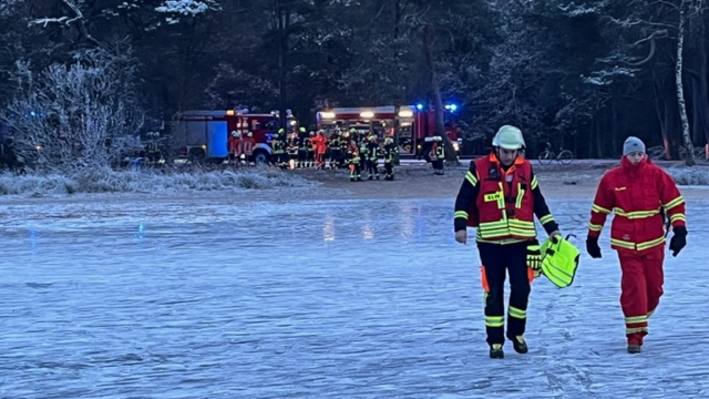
(500, 196)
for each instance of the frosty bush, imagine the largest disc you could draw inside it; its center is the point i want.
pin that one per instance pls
(76, 115)
(105, 179)
(697, 175)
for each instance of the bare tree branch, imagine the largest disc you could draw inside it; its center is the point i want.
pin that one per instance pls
(67, 21)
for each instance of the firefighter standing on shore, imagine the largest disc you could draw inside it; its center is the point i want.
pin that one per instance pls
(389, 151)
(320, 148)
(235, 146)
(335, 150)
(437, 155)
(344, 144)
(353, 156)
(292, 149)
(372, 156)
(641, 195)
(363, 151)
(248, 148)
(500, 196)
(310, 150)
(303, 145)
(278, 146)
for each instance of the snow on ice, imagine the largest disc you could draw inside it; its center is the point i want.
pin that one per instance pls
(190, 298)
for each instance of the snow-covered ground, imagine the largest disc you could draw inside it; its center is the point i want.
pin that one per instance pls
(103, 180)
(159, 298)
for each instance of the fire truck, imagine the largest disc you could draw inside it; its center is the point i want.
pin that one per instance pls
(410, 125)
(200, 136)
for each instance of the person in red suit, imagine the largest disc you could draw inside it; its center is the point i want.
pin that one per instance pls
(320, 148)
(641, 196)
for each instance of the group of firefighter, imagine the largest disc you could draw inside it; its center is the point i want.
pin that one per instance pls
(360, 152)
(357, 151)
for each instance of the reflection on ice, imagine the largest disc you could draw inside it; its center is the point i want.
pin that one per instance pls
(367, 232)
(328, 228)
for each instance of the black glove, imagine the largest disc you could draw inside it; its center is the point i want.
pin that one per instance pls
(679, 239)
(592, 247)
(534, 256)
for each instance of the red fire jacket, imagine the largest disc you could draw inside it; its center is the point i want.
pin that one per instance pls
(501, 202)
(638, 195)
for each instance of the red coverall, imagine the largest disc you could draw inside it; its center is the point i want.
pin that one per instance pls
(235, 147)
(638, 195)
(248, 146)
(319, 144)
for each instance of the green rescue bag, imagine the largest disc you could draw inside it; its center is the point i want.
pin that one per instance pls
(560, 260)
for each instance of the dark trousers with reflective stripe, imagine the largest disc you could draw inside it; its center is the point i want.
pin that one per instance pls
(499, 260)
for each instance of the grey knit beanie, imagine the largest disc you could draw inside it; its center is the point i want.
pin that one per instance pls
(633, 144)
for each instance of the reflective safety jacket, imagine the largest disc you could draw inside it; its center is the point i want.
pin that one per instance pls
(501, 202)
(389, 152)
(277, 145)
(438, 152)
(640, 196)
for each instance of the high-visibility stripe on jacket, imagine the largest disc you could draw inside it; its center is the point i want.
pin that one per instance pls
(505, 205)
(638, 196)
(439, 151)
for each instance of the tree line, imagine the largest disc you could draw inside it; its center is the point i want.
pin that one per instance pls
(580, 75)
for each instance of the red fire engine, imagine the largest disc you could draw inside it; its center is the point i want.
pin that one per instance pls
(408, 124)
(205, 135)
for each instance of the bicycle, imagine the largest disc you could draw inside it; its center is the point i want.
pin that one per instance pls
(698, 151)
(656, 153)
(564, 157)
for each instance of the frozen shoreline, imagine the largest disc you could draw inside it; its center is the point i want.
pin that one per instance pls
(413, 180)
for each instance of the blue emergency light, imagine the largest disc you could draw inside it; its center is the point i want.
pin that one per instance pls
(451, 107)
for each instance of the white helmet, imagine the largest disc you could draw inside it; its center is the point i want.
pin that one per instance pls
(509, 138)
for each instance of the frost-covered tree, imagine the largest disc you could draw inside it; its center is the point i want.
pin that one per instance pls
(653, 37)
(78, 115)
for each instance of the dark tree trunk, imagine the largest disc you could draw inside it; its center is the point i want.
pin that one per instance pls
(681, 104)
(597, 132)
(660, 112)
(614, 128)
(397, 17)
(701, 87)
(671, 125)
(283, 16)
(436, 92)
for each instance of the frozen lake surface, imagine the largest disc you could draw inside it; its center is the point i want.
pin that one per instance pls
(154, 298)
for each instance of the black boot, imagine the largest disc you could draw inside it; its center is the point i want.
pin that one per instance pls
(519, 344)
(496, 351)
(635, 343)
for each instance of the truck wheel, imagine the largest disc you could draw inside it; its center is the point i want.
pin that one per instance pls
(260, 158)
(196, 155)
